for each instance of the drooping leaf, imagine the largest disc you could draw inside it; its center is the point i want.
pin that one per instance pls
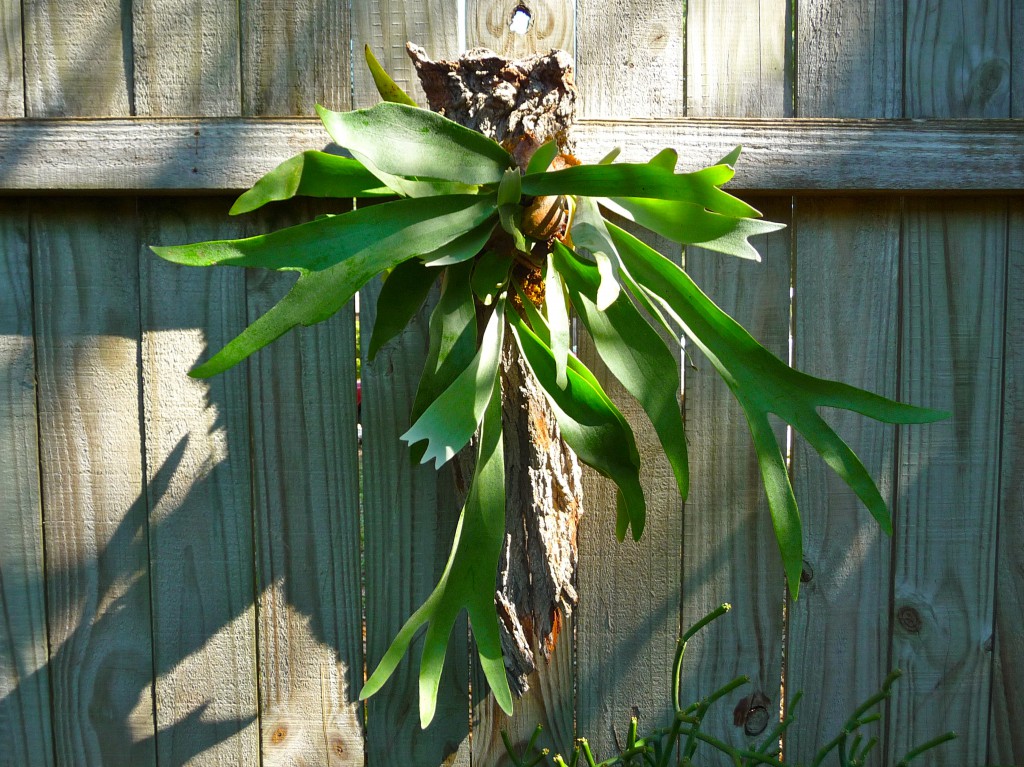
(319, 294)
(590, 425)
(452, 344)
(464, 247)
(643, 180)
(490, 276)
(401, 296)
(541, 159)
(558, 320)
(386, 87)
(466, 583)
(416, 143)
(589, 232)
(450, 420)
(634, 353)
(311, 174)
(764, 384)
(321, 244)
(691, 224)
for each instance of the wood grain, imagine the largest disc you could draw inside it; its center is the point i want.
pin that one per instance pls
(86, 300)
(779, 156)
(837, 651)
(736, 66)
(25, 722)
(630, 59)
(737, 60)
(729, 549)
(849, 58)
(78, 59)
(944, 563)
(306, 496)
(627, 621)
(12, 68)
(201, 526)
(295, 54)
(185, 57)
(386, 26)
(1005, 733)
(551, 26)
(410, 513)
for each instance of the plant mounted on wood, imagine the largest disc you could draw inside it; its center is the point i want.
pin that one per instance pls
(517, 240)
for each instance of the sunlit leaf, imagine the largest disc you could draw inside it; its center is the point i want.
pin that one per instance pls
(450, 420)
(464, 247)
(589, 232)
(311, 174)
(401, 296)
(416, 143)
(634, 353)
(543, 157)
(386, 87)
(558, 320)
(764, 384)
(643, 180)
(590, 425)
(466, 583)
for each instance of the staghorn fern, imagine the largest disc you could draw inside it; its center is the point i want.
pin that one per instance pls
(525, 247)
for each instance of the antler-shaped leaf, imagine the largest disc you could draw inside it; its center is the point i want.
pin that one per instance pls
(467, 582)
(763, 384)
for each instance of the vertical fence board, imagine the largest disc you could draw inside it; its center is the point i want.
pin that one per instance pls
(410, 511)
(294, 54)
(306, 483)
(98, 598)
(386, 26)
(849, 65)
(197, 458)
(850, 58)
(551, 25)
(736, 66)
(25, 725)
(186, 57)
(630, 58)
(77, 58)
(838, 629)
(549, 701)
(736, 59)
(1006, 731)
(957, 65)
(944, 561)
(12, 69)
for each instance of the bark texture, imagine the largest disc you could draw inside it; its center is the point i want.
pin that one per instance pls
(522, 104)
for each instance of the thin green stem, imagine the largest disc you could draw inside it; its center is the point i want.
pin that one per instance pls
(926, 746)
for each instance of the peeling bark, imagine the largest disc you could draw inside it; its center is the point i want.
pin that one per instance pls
(522, 104)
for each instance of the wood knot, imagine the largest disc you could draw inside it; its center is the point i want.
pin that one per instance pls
(752, 713)
(910, 619)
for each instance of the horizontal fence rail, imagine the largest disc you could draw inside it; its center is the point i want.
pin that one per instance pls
(782, 156)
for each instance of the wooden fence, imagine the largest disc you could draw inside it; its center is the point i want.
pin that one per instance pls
(201, 573)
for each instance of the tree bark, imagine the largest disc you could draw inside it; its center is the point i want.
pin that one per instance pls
(522, 104)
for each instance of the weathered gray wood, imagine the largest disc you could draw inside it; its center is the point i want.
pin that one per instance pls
(839, 156)
(86, 299)
(198, 483)
(12, 70)
(729, 550)
(958, 58)
(25, 724)
(306, 496)
(839, 627)
(849, 58)
(386, 26)
(75, 58)
(185, 57)
(952, 348)
(551, 26)
(630, 59)
(736, 66)
(737, 59)
(1006, 731)
(295, 54)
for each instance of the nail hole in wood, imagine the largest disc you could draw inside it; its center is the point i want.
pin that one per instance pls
(520, 20)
